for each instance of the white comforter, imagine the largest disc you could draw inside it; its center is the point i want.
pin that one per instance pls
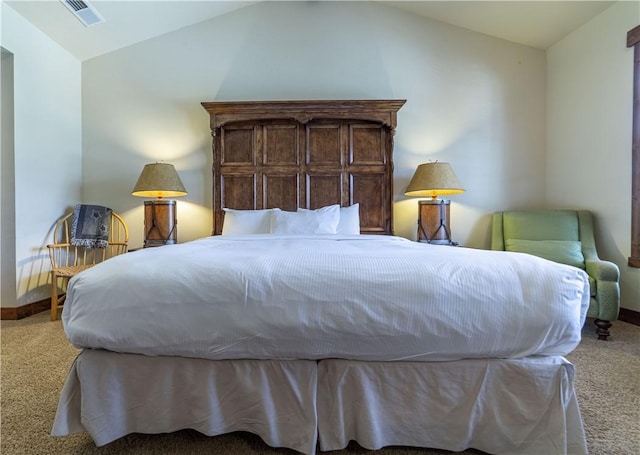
(357, 297)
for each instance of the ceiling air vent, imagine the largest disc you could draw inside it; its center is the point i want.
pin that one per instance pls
(86, 13)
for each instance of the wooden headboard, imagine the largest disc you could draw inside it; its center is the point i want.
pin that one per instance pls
(308, 154)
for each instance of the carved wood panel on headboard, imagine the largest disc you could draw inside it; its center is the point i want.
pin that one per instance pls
(308, 154)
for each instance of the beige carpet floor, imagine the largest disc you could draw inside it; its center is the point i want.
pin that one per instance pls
(35, 358)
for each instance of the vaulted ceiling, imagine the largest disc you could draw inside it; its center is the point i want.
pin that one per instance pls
(538, 24)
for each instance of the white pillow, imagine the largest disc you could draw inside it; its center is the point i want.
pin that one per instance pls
(321, 221)
(349, 223)
(247, 222)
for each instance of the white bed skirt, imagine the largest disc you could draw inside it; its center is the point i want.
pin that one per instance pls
(519, 407)
(110, 395)
(525, 406)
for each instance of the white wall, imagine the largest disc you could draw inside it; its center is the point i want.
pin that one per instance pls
(590, 94)
(47, 148)
(472, 100)
(7, 181)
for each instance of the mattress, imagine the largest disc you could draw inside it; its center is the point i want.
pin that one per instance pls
(364, 297)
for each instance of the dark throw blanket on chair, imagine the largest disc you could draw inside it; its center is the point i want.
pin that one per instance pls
(91, 224)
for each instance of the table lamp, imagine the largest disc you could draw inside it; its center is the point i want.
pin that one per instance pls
(159, 180)
(434, 179)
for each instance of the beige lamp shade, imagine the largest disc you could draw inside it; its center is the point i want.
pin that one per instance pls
(434, 179)
(159, 180)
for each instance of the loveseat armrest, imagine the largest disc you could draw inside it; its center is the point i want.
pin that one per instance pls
(601, 270)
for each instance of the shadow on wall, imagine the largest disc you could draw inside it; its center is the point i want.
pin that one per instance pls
(301, 67)
(33, 278)
(33, 274)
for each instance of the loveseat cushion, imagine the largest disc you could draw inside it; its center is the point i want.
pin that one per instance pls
(563, 251)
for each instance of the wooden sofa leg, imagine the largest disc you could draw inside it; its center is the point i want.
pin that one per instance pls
(602, 329)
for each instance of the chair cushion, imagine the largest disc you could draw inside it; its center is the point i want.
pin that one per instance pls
(563, 251)
(541, 225)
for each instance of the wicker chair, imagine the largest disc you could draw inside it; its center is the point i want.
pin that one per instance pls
(68, 260)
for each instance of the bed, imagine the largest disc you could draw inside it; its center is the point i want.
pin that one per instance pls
(304, 320)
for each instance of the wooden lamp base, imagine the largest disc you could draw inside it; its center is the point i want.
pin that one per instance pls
(433, 222)
(160, 223)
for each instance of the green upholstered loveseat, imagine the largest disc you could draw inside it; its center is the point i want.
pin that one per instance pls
(565, 236)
